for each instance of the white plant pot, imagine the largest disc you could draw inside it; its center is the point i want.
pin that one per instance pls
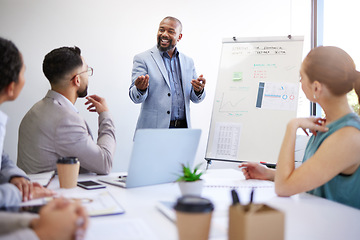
(191, 188)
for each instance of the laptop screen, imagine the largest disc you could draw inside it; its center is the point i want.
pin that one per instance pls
(158, 154)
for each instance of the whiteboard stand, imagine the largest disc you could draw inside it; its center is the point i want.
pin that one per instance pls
(256, 95)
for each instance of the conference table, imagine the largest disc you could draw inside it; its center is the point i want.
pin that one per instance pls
(306, 216)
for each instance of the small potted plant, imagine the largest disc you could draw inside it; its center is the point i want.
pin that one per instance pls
(190, 182)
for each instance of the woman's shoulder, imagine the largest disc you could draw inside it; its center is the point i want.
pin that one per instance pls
(344, 133)
(347, 139)
(349, 120)
(354, 120)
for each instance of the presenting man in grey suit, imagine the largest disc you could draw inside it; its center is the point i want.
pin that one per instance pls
(53, 127)
(164, 81)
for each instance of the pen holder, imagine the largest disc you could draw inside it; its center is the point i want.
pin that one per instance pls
(255, 221)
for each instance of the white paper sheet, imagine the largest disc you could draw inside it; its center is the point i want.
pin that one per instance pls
(119, 229)
(280, 96)
(227, 139)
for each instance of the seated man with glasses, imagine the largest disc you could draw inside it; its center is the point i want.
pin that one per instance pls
(53, 128)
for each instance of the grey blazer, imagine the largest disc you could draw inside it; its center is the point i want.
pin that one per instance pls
(156, 101)
(52, 129)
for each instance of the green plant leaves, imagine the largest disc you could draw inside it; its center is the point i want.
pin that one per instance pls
(188, 175)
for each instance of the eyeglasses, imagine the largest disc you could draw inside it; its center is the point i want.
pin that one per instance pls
(89, 70)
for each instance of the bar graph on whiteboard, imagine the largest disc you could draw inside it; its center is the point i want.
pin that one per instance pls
(278, 96)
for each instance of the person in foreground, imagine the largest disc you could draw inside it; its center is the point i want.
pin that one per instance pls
(331, 161)
(14, 184)
(164, 80)
(53, 128)
(60, 219)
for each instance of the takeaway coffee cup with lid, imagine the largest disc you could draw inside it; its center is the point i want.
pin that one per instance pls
(68, 171)
(193, 217)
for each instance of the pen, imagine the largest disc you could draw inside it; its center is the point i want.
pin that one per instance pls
(247, 206)
(252, 195)
(269, 165)
(82, 200)
(51, 178)
(235, 197)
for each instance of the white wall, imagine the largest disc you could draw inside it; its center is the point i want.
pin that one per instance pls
(111, 32)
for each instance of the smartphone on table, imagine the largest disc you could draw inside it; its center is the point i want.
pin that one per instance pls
(89, 185)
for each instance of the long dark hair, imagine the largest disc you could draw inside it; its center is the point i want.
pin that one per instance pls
(10, 63)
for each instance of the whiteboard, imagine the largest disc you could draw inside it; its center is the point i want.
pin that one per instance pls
(256, 95)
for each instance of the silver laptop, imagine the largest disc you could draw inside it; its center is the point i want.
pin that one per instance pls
(157, 156)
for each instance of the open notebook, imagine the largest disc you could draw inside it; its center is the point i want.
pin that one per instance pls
(42, 178)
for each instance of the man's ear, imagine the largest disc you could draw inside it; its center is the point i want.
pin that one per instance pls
(180, 36)
(77, 80)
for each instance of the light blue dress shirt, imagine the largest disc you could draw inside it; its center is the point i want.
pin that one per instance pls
(172, 66)
(3, 121)
(9, 193)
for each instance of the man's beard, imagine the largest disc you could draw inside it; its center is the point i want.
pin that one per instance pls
(83, 93)
(165, 49)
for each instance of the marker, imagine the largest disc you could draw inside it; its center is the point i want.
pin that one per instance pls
(235, 197)
(269, 165)
(247, 206)
(252, 195)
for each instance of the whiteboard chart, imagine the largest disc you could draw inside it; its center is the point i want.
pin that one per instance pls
(256, 95)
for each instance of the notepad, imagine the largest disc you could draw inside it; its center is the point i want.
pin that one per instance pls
(42, 178)
(120, 228)
(96, 202)
(231, 178)
(103, 204)
(167, 208)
